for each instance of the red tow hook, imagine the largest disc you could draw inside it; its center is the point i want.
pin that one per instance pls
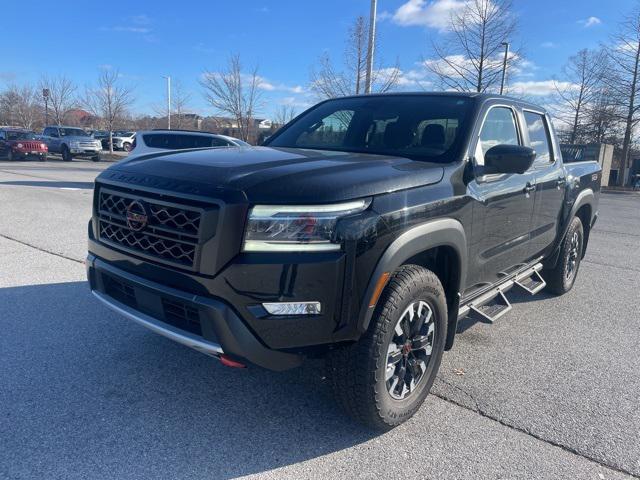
(227, 361)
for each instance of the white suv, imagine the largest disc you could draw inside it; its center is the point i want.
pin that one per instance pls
(123, 141)
(161, 140)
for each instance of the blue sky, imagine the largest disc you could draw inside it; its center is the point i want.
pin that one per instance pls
(147, 39)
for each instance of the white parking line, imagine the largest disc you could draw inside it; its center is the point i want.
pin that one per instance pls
(70, 188)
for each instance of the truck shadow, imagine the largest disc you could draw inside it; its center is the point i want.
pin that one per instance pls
(80, 383)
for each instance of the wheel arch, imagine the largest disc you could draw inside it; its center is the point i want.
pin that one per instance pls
(439, 245)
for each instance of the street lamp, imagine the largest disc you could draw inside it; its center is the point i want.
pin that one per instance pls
(372, 42)
(504, 64)
(168, 101)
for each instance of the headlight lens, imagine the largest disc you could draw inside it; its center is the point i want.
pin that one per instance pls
(20, 145)
(74, 144)
(285, 228)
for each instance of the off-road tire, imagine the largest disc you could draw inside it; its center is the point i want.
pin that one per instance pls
(562, 277)
(10, 156)
(95, 158)
(66, 154)
(357, 372)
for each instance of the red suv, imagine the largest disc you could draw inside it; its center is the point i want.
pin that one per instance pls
(19, 143)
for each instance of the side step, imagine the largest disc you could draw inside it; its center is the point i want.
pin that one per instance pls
(493, 304)
(532, 283)
(493, 309)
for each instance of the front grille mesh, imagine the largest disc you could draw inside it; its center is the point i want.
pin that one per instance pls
(163, 248)
(171, 233)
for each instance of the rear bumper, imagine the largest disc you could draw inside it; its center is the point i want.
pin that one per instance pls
(204, 324)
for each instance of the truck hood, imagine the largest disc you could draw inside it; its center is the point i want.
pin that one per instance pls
(277, 175)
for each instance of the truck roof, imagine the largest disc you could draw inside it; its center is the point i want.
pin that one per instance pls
(476, 95)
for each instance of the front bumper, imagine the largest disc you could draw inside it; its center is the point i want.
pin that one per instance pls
(86, 151)
(204, 324)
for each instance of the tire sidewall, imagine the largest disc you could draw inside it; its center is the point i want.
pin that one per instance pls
(397, 411)
(576, 226)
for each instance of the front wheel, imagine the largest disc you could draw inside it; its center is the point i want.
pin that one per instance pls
(10, 155)
(66, 154)
(383, 379)
(95, 158)
(561, 278)
(126, 147)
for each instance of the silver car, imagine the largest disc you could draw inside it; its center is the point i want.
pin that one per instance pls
(162, 140)
(71, 142)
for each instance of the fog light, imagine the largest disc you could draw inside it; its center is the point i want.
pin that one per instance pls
(293, 308)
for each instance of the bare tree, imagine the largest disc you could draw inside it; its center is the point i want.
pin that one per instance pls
(329, 82)
(283, 115)
(61, 96)
(108, 100)
(470, 56)
(234, 93)
(602, 120)
(623, 82)
(20, 105)
(579, 89)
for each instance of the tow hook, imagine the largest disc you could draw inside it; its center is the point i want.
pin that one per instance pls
(229, 362)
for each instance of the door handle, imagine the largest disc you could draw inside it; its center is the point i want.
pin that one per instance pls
(560, 182)
(529, 187)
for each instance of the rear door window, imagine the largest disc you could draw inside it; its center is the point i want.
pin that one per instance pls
(539, 137)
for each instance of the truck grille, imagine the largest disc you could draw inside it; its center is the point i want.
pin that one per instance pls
(32, 146)
(165, 231)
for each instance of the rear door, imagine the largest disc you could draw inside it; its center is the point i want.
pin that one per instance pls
(550, 180)
(503, 206)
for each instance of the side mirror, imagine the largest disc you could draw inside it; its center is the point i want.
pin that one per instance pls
(508, 159)
(54, 134)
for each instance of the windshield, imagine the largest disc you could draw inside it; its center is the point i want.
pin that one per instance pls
(21, 136)
(73, 132)
(420, 127)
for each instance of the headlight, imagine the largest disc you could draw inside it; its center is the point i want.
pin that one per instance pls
(43, 146)
(284, 228)
(20, 145)
(74, 144)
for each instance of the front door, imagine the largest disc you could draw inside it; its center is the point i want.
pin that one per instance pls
(503, 207)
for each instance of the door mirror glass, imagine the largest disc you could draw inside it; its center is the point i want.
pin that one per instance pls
(508, 159)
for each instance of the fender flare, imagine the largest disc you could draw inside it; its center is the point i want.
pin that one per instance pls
(436, 233)
(585, 197)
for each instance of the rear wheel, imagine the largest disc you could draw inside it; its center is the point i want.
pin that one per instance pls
(561, 278)
(66, 154)
(383, 379)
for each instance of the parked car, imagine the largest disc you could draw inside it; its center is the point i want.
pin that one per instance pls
(71, 142)
(362, 232)
(103, 136)
(123, 140)
(161, 140)
(20, 143)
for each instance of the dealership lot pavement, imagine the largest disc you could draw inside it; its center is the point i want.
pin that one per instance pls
(549, 391)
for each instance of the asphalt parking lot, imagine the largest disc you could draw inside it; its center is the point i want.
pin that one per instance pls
(549, 391)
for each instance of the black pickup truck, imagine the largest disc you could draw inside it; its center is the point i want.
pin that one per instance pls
(361, 233)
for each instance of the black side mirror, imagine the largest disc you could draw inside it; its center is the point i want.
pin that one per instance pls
(508, 159)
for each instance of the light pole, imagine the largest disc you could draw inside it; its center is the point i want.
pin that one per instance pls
(168, 101)
(504, 65)
(372, 42)
(45, 95)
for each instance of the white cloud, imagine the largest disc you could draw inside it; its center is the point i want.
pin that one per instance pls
(539, 88)
(432, 14)
(548, 45)
(590, 22)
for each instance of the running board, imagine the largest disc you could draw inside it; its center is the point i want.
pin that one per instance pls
(532, 283)
(493, 304)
